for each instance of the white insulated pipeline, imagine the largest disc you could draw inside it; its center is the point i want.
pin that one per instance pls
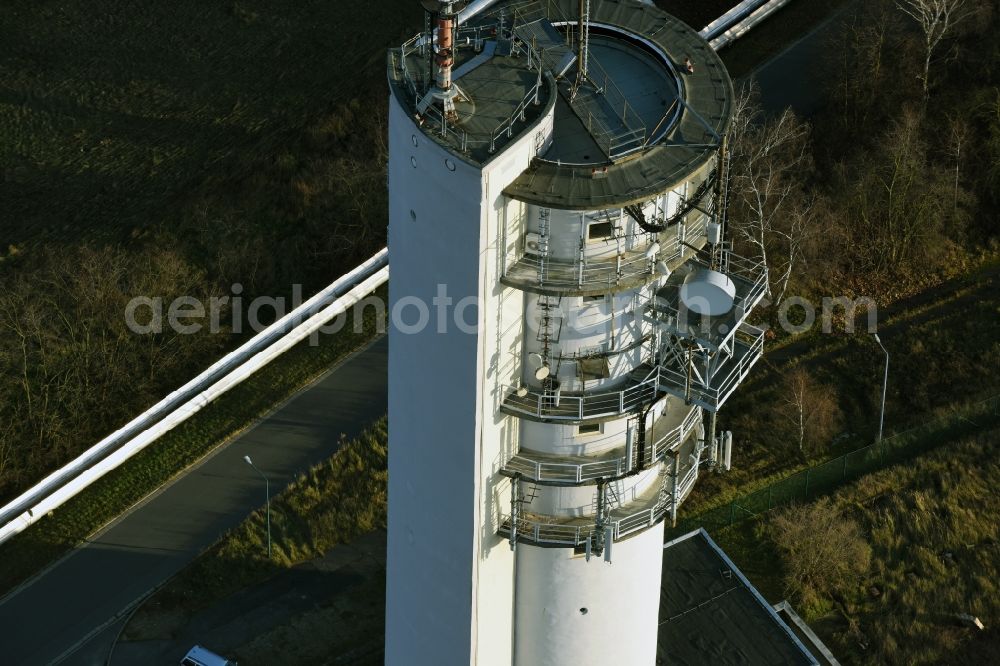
(474, 8)
(183, 403)
(727, 20)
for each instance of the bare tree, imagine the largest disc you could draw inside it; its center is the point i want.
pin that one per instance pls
(771, 214)
(809, 408)
(900, 207)
(822, 550)
(7, 460)
(936, 19)
(958, 137)
(862, 67)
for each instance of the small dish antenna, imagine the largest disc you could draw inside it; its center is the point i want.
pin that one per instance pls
(708, 292)
(662, 269)
(542, 373)
(653, 250)
(522, 391)
(535, 360)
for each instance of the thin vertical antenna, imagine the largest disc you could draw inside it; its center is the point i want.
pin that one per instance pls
(583, 39)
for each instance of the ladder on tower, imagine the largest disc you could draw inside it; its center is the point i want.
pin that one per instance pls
(720, 212)
(549, 324)
(667, 485)
(518, 500)
(544, 233)
(638, 426)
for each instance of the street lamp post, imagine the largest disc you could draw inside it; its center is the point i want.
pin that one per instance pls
(885, 383)
(267, 496)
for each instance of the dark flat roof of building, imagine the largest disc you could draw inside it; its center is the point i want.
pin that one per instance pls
(711, 614)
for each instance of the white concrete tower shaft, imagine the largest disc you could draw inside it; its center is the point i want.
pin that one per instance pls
(546, 391)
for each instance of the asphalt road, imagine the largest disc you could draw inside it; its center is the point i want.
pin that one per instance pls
(70, 613)
(795, 77)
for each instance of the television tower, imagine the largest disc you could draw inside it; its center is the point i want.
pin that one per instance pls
(568, 317)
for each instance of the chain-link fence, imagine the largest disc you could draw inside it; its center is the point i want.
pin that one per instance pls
(825, 477)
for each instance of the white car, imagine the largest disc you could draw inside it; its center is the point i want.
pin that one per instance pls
(199, 656)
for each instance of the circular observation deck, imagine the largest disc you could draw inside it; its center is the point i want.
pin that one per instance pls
(639, 124)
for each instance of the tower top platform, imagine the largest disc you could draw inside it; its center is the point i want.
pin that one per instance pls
(630, 120)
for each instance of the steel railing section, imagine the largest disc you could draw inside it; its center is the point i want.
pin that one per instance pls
(541, 531)
(633, 135)
(558, 473)
(606, 99)
(462, 139)
(586, 273)
(748, 345)
(182, 404)
(556, 407)
(752, 271)
(750, 279)
(507, 126)
(629, 267)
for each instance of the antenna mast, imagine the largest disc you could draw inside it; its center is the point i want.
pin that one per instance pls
(583, 39)
(443, 20)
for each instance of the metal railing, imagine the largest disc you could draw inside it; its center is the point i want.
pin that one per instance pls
(461, 138)
(665, 377)
(553, 406)
(540, 531)
(750, 279)
(593, 273)
(581, 273)
(507, 126)
(605, 101)
(620, 143)
(582, 472)
(748, 345)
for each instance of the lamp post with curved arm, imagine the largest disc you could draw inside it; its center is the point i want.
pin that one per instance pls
(885, 383)
(267, 496)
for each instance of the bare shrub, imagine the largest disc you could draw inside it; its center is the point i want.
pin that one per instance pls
(823, 551)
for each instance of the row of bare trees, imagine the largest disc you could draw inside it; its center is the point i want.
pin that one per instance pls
(70, 370)
(882, 184)
(771, 162)
(895, 176)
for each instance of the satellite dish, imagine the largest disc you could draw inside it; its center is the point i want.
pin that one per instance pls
(542, 373)
(535, 360)
(522, 391)
(653, 250)
(708, 292)
(662, 269)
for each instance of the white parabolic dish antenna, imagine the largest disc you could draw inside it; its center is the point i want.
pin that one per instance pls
(708, 292)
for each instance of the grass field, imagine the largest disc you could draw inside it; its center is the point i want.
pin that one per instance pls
(117, 117)
(934, 546)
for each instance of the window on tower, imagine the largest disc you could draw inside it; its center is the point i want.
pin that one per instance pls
(600, 230)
